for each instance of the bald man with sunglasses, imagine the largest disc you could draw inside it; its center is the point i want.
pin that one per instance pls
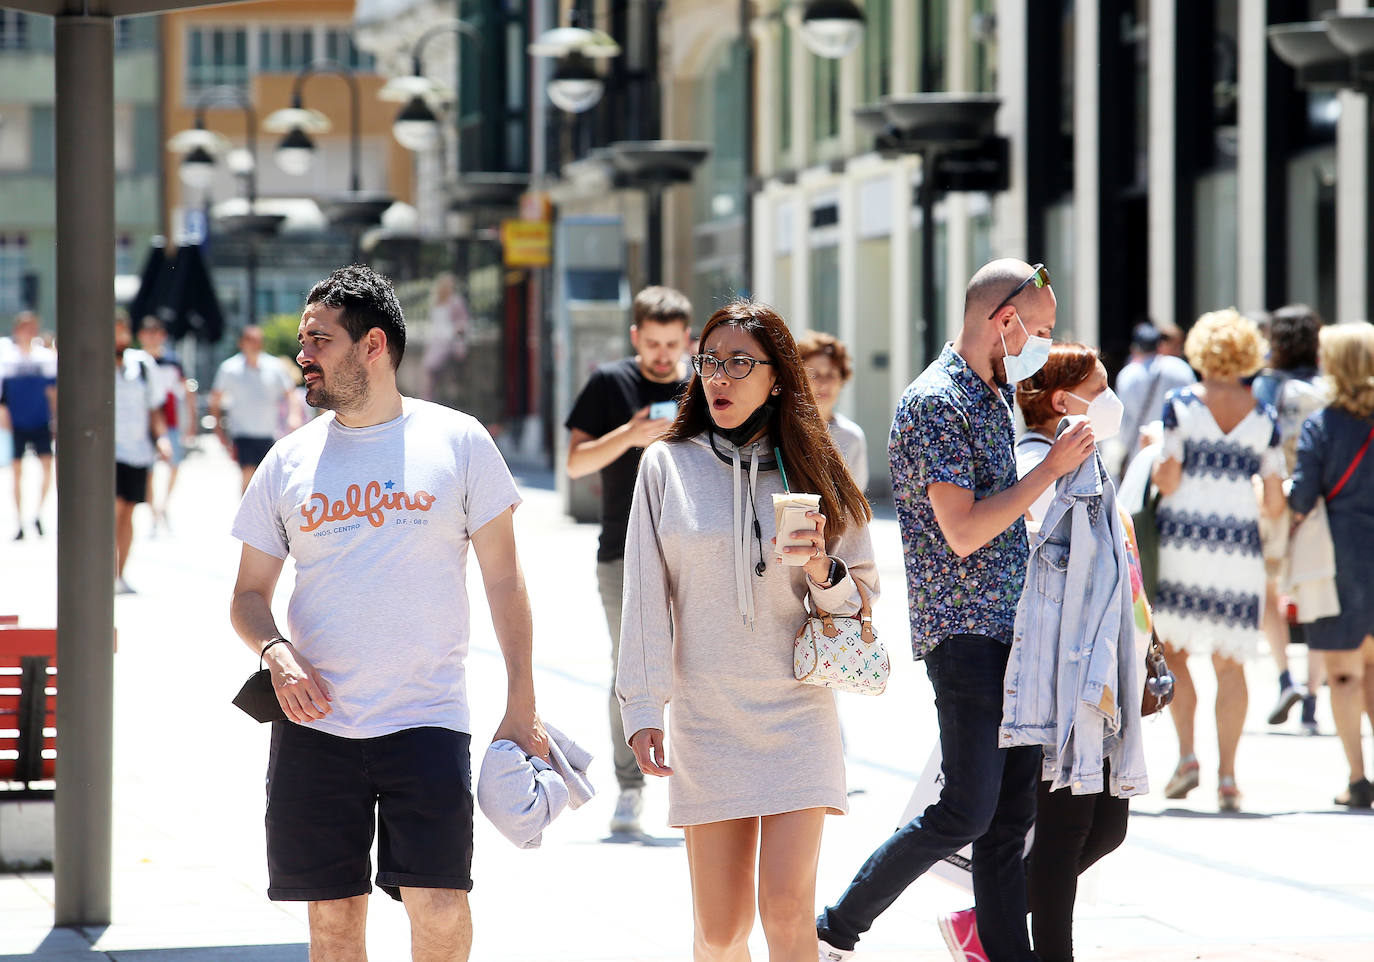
(961, 509)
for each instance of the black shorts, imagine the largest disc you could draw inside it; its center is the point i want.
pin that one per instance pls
(131, 483)
(40, 439)
(249, 452)
(327, 794)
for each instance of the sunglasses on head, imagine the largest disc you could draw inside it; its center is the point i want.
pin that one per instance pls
(1040, 277)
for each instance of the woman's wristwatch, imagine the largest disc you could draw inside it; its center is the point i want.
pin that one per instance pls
(837, 571)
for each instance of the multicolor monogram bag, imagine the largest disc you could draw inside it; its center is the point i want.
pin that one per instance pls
(841, 651)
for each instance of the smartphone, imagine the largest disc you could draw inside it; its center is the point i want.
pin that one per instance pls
(662, 409)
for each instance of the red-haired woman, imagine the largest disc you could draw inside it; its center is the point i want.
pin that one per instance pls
(829, 367)
(710, 614)
(1072, 831)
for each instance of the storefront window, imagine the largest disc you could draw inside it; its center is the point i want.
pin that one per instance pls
(932, 40)
(719, 188)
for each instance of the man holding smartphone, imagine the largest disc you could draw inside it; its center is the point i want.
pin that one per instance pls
(624, 407)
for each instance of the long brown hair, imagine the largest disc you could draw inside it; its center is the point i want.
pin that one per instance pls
(812, 462)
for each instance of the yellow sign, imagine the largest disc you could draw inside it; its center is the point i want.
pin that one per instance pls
(526, 243)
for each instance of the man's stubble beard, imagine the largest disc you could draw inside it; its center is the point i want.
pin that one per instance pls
(349, 392)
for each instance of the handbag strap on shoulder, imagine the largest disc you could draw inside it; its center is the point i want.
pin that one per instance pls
(1359, 456)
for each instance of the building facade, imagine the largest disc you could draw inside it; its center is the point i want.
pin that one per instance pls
(28, 205)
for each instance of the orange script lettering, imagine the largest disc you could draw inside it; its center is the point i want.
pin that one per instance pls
(359, 502)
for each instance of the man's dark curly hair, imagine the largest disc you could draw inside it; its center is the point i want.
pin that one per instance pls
(1293, 335)
(367, 300)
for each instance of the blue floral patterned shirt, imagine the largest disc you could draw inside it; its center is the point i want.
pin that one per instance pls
(952, 428)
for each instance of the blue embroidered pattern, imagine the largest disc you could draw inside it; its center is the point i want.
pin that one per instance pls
(1211, 532)
(1219, 459)
(951, 428)
(1222, 607)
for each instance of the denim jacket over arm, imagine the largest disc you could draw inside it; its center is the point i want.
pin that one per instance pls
(1073, 681)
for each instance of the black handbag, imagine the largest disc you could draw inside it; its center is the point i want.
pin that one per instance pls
(1159, 680)
(258, 698)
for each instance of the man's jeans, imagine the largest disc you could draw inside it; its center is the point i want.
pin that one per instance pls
(988, 799)
(610, 580)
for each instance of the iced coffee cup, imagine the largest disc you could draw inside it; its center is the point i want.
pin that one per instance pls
(789, 515)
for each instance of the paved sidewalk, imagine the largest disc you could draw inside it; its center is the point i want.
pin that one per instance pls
(1290, 879)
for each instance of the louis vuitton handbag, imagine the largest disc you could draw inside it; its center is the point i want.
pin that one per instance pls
(841, 651)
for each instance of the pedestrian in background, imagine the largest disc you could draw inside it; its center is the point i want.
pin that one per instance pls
(1142, 385)
(140, 437)
(961, 510)
(624, 407)
(1211, 568)
(754, 757)
(256, 389)
(1289, 385)
(28, 395)
(829, 367)
(1074, 828)
(1335, 440)
(373, 682)
(178, 411)
(446, 338)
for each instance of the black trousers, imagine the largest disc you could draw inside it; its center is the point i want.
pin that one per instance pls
(1071, 833)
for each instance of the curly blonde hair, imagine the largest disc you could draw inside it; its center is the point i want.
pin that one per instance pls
(1347, 358)
(1225, 344)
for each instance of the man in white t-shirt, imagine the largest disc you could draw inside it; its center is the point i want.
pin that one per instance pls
(140, 438)
(377, 505)
(256, 389)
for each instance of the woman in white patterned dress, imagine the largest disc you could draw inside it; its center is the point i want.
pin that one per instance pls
(1211, 569)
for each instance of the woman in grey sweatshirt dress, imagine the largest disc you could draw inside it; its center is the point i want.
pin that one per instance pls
(710, 614)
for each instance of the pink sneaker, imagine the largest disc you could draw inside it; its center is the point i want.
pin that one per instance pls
(960, 930)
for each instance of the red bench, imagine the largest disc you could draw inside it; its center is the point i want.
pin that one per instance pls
(28, 709)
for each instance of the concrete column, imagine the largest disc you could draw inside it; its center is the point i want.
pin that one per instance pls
(802, 106)
(1163, 167)
(84, 66)
(959, 73)
(766, 98)
(1087, 215)
(1010, 207)
(903, 47)
(1353, 199)
(1251, 162)
(765, 247)
(801, 259)
(849, 270)
(900, 292)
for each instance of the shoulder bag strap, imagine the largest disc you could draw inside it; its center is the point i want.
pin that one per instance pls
(1359, 456)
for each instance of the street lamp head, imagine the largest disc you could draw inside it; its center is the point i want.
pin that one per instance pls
(416, 128)
(240, 161)
(575, 86)
(295, 153)
(561, 41)
(198, 168)
(832, 28)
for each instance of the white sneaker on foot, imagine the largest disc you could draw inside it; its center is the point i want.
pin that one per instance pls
(627, 808)
(826, 952)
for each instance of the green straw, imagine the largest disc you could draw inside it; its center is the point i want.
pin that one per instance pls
(781, 470)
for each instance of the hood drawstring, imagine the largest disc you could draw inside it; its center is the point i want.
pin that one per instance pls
(744, 587)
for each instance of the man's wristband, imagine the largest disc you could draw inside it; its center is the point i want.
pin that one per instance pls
(275, 640)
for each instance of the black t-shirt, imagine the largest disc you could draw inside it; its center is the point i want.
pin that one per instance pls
(611, 397)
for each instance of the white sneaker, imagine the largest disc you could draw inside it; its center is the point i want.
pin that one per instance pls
(627, 808)
(828, 953)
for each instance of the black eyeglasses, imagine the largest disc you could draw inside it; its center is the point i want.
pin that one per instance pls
(736, 366)
(1040, 277)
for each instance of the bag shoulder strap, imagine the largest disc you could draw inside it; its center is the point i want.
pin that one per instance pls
(1359, 456)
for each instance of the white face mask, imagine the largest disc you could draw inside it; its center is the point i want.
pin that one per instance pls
(1104, 413)
(1031, 358)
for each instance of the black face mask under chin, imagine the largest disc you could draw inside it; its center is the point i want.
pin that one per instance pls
(752, 425)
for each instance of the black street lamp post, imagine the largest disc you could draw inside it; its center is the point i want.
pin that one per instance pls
(936, 127)
(354, 210)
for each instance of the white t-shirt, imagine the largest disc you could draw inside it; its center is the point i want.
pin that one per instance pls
(378, 521)
(138, 390)
(253, 395)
